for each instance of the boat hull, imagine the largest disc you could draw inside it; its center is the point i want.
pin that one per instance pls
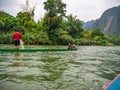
(34, 50)
(114, 84)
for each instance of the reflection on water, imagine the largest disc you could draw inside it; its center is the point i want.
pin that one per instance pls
(89, 68)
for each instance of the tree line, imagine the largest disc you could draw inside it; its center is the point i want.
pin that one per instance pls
(55, 28)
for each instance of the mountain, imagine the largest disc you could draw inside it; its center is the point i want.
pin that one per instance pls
(89, 24)
(109, 22)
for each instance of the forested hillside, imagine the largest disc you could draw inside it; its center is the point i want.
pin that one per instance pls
(54, 28)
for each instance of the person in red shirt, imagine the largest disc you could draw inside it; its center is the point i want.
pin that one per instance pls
(17, 36)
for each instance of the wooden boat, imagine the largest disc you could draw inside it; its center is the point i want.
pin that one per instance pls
(114, 84)
(35, 50)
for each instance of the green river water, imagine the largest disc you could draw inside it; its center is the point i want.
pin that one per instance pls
(88, 68)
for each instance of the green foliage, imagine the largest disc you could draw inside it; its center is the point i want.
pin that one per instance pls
(23, 15)
(4, 15)
(84, 41)
(27, 11)
(74, 27)
(96, 37)
(115, 40)
(64, 37)
(53, 18)
(96, 32)
(54, 28)
(7, 24)
(54, 8)
(39, 37)
(6, 38)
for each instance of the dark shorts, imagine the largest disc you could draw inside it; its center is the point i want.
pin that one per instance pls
(17, 42)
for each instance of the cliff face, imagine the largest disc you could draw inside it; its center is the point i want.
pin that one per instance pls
(109, 22)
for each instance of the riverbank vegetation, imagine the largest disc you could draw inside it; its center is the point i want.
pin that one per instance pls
(54, 28)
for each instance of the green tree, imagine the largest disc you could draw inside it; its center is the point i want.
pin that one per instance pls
(96, 32)
(26, 16)
(53, 17)
(29, 11)
(74, 27)
(55, 8)
(64, 37)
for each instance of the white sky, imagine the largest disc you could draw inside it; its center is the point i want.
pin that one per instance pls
(85, 10)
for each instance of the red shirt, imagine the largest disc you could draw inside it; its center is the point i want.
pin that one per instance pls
(17, 36)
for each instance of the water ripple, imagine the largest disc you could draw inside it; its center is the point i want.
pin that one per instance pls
(88, 68)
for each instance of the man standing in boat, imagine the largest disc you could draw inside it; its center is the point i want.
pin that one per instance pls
(17, 36)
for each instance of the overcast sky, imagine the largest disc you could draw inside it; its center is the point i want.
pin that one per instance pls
(85, 10)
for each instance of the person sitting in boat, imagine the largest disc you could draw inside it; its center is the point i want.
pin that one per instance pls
(17, 36)
(71, 46)
(21, 44)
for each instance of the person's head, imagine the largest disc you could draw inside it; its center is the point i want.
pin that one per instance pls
(16, 30)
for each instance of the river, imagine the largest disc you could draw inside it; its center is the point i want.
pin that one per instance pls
(88, 68)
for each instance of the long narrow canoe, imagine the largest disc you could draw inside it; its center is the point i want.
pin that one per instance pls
(114, 84)
(35, 50)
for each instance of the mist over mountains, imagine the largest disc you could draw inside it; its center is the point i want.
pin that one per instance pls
(109, 22)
